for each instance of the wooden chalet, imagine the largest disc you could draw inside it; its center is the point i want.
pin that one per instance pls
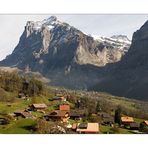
(88, 128)
(145, 122)
(76, 114)
(59, 98)
(38, 107)
(23, 114)
(22, 96)
(58, 115)
(127, 120)
(103, 115)
(107, 119)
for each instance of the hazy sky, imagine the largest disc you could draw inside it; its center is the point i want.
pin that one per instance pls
(12, 26)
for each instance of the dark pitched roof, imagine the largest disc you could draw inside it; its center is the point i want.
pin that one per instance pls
(58, 113)
(18, 111)
(91, 127)
(83, 125)
(76, 113)
(104, 115)
(40, 105)
(59, 98)
(23, 113)
(26, 114)
(109, 119)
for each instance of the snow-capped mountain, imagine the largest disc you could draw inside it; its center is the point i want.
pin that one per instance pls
(118, 41)
(121, 38)
(130, 76)
(51, 37)
(63, 53)
(70, 58)
(50, 23)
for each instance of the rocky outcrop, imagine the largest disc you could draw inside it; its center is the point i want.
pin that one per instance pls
(64, 54)
(57, 40)
(130, 76)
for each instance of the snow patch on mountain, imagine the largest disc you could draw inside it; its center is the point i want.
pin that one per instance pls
(50, 22)
(121, 42)
(112, 39)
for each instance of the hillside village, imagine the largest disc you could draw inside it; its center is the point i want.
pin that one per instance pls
(39, 109)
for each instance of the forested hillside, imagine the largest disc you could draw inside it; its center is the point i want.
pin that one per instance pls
(11, 84)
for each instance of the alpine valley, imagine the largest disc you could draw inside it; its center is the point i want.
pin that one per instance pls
(68, 57)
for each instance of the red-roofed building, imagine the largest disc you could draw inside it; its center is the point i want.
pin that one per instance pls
(64, 107)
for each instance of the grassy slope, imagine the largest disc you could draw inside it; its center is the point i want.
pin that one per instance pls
(20, 126)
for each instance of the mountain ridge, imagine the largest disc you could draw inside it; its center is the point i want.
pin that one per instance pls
(70, 58)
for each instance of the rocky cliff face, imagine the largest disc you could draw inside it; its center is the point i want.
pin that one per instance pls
(64, 54)
(59, 42)
(130, 76)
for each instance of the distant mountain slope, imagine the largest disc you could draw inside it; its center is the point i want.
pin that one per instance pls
(130, 76)
(70, 58)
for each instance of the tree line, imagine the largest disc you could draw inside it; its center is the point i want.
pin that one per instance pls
(14, 83)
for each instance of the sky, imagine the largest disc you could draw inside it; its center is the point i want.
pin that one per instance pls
(12, 26)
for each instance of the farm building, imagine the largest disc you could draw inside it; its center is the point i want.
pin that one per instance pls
(145, 122)
(23, 114)
(38, 107)
(88, 128)
(22, 95)
(106, 118)
(59, 99)
(76, 114)
(103, 114)
(58, 115)
(108, 121)
(127, 120)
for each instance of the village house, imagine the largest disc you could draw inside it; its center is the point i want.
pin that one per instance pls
(64, 107)
(58, 115)
(59, 98)
(134, 126)
(21, 95)
(103, 114)
(145, 122)
(38, 107)
(127, 120)
(107, 119)
(144, 126)
(23, 114)
(75, 115)
(87, 128)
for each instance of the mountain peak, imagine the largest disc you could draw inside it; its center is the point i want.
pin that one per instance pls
(52, 18)
(122, 38)
(51, 21)
(142, 33)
